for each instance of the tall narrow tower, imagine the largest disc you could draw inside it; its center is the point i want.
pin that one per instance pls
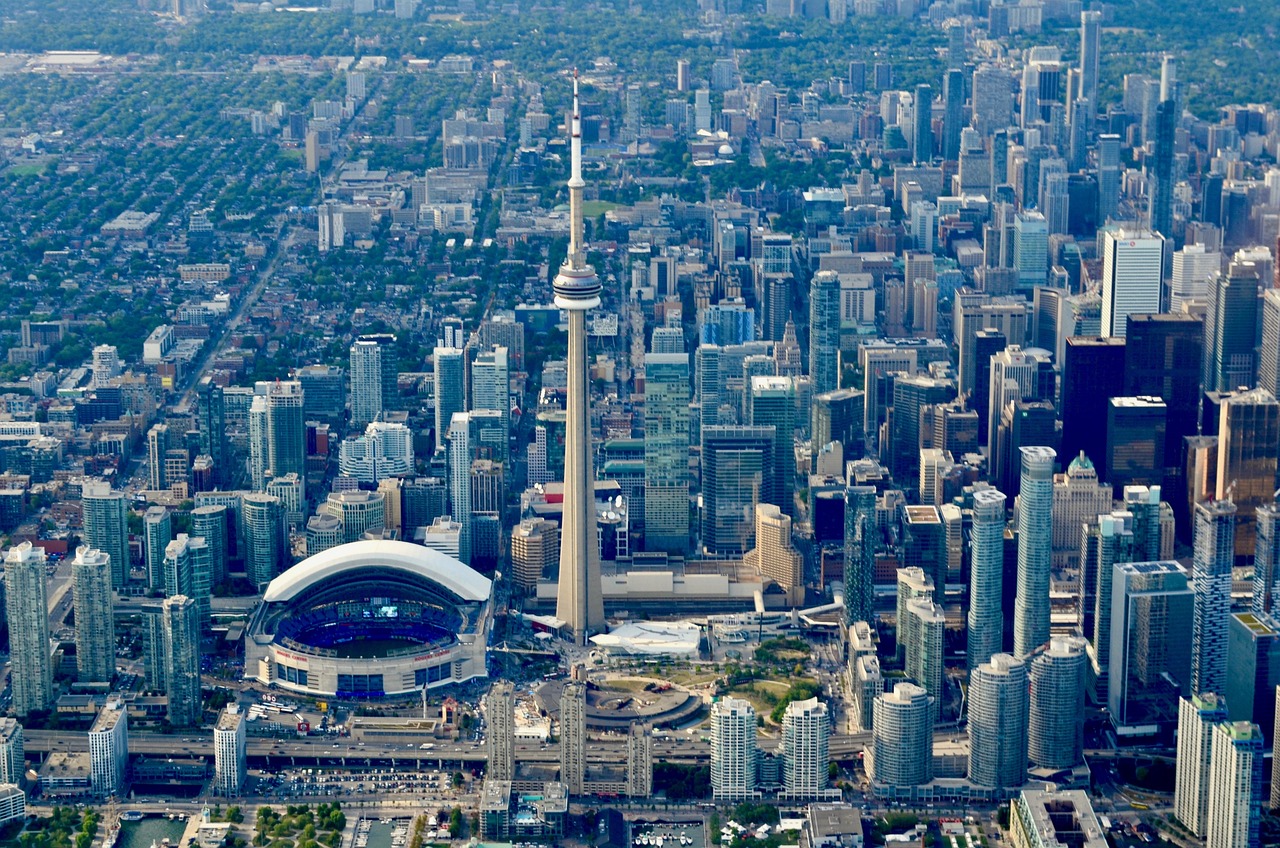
(578, 599)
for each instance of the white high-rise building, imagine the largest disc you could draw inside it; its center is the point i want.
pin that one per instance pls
(986, 577)
(1035, 550)
(451, 389)
(868, 684)
(806, 739)
(229, 752)
(106, 364)
(1235, 786)
(384, 450)
(490, 388)
(109, 749)
(1197, 717)
(902, 737)
(158, 533)
(928, 624)
(1132, 269)
(998, 709)
(1055, 725)
(12, 751)
(27, 606)
(1193, 267)
(95, 618)
(106, 526)
(460, 480)
(733, 750)
(366, 382)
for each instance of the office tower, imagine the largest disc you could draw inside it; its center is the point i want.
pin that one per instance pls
(1197, 716)
(953, 118)
(211, 422)
(1031, 248)
(106, 526)
(986, 577)
(1078, 497)
(1131, 277)
(1092, 372)
(993, 90)
(451, 389)
(209, 522)
(573, 737)
(264, 543)
(771, 403)
(286, 431)
(1253, 658)
(180, 621)
(639, 761)
(1162, 358)
(1150, 658)
(1275, 749)
(158, 532)
(733, 750)
(987, 344)
(1135, 441)
(1109, 170)
(1234, 812)
(109, 749)
(95, 619)
(806, 737)
(737, 467)
(1230, 329)
(324, 392)
(359, 511)
(1193, 267)
(324, 531)
(27, 614)
(1090, 58)
(1054, 197)
(1269, 352)
(774, 557)
(911, 393)
(1248, 440)
(1055, 738)
(229, 764)
(12, 751)
(902, 737)
(666, 452)
(838, 417)
(1266, 559)
(1160, 192)
(577, 290)
(499, 715)
(924, 628)
(824, 331)
(860, 536)
(1035, 549)
(490, 389)
(922, 127)
(1012, 378)
(998, 708)
(366, 382)
(1213, 556)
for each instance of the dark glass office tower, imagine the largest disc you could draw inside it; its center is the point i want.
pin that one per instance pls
(1092, 374)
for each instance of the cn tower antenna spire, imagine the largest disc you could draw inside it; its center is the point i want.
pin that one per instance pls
(576, 258)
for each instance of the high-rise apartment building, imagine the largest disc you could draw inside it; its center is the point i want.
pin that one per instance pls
(1055, 736)
(451, 389)
(986, 577)
(1150, 605)
(1234, 812)
(12, 751)
(639, 761)
(106, 526)
(806, 737)
(209, 522)
(27, 615)
(860, 537)
(1212, 558)
(1266, 559)
(366, 382)
(211, 423)
(998, 710)
(109, 749)
(491, 389)
(902, 737)
(95, 618)
(229, 762)
(1035, 550)
(157, 534)
(733, 750)
(1197, 716)
(573, 737)
(286, 432)
(180, 621)
(824, 331)
(925, 627)
(264, 544)
(500, 734)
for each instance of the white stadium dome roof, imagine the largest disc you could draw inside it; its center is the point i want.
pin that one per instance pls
(416, 560)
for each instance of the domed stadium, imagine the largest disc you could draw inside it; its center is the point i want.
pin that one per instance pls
(371, 619)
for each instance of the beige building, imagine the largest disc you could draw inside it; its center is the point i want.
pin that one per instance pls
(774, 556)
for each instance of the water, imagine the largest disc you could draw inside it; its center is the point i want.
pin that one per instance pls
(141, 834)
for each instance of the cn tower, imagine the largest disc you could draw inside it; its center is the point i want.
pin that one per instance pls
(579, 602)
